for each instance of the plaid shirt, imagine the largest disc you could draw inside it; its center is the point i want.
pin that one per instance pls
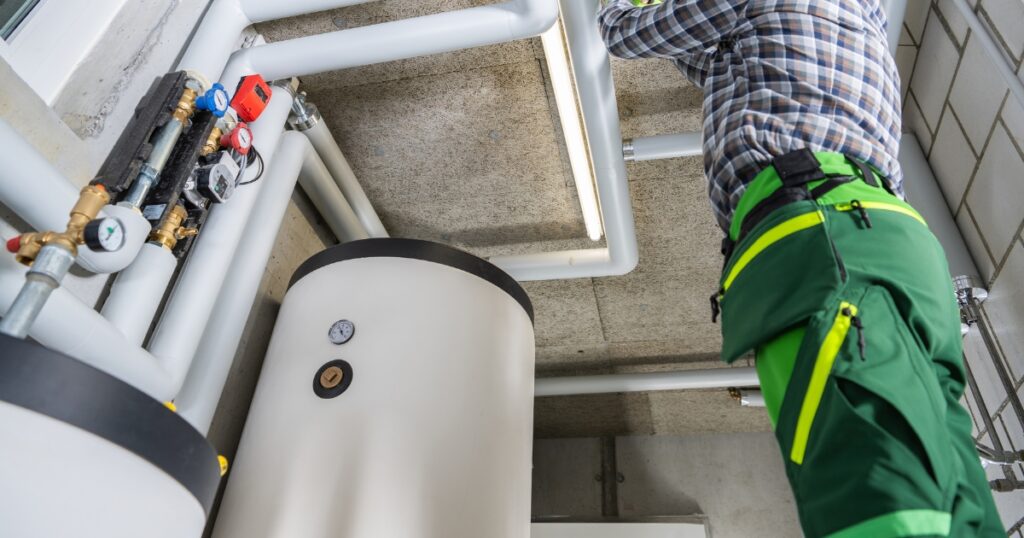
(777, 75)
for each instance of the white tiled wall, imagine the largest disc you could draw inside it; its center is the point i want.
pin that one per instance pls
(972, 129)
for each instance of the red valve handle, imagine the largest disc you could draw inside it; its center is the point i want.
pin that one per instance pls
(14, 244)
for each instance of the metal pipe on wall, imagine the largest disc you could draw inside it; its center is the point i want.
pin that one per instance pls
(649, 148)
(686, 379)
(396, 40)
(193, 298)
(201, 392)
(592, 68)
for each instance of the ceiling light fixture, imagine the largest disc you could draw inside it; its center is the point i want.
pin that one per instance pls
(562, 82)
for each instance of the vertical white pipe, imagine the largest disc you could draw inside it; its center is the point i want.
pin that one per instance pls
(316, 180)
(194, 296)
(136, 293)
(198, 398)
(327, 147)
(596, 89)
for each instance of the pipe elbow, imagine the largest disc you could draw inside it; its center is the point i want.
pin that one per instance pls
(534, 17)
(624, 263)
(239, 65)
(136, 232)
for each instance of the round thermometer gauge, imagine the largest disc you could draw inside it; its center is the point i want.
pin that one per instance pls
(104, 235)
(341, 332)
(244, 138)
(220, 99)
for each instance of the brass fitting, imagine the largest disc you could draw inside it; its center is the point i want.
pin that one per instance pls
(170, 232)
(90, 201)
(185, 105)
(212, 142)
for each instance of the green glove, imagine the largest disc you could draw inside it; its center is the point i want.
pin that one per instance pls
(646, 3)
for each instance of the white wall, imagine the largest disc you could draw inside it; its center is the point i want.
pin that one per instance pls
(736, 480)
(972, 129)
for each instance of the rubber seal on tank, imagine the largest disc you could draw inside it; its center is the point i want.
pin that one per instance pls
(60, 387)
(417, 250)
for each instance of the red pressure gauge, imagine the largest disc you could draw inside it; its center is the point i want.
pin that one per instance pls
(251, 97)
(240, 139)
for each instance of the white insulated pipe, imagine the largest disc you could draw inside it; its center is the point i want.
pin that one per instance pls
(193, 298)
(327, 147)
(316, 180)
(137, 291)
(751, 398)
(201, 392)
(596, 89)
(69, 326)
(715, 378)
(396, 40)
(39, 194)
(668, 146)
(218, 32)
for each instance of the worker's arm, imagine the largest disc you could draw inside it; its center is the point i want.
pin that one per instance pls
(673, 29)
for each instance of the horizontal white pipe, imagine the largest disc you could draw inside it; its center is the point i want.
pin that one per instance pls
(218, 33)
(194, 295)
(69, 326)
(649, 148)
(317, 182)
(137, 291)
(269, 10)
(685, 379)
(327, 147)
(994, 51)
(596, 89)
(38, 193)
(751, 398)
(397, 40)
(201, 392)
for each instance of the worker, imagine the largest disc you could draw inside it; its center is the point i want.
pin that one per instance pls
(830, 278)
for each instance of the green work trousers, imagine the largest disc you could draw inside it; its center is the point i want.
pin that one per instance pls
(851, 312)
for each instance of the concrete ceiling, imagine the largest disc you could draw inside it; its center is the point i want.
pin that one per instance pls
(465, 148)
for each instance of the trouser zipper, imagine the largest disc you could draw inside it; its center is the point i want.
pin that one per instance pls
(859, 325)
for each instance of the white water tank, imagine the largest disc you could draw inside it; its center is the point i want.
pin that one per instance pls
(84, 454)
(424, 429)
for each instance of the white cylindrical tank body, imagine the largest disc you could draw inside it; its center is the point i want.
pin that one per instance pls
(84, 454)
(429, 432)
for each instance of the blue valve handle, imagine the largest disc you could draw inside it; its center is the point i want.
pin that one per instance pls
(214, 100)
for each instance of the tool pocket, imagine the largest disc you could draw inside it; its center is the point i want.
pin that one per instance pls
(864, 418)
(777, 278)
